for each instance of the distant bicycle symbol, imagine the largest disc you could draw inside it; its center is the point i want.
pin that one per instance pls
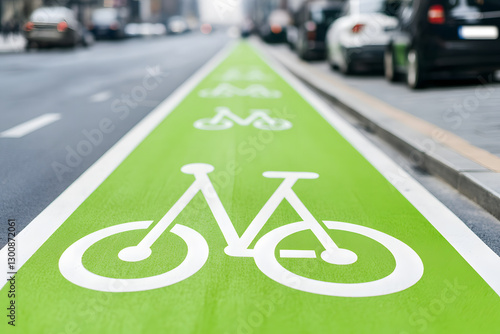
(259, 118)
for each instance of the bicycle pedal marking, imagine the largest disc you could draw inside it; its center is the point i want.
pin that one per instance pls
(225, 119)
(226, 90)
(408, 270)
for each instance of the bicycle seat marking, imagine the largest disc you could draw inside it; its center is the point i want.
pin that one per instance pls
(224, 90)
(225, 119)
(408, 269)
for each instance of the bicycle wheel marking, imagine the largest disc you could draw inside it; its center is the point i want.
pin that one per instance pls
(253, 209)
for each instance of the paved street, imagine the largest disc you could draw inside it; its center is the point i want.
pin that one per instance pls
(98, 94)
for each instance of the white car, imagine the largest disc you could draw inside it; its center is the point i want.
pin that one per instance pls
(360, 36)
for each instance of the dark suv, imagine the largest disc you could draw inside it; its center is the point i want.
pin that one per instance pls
(312, 21)
(437, 37)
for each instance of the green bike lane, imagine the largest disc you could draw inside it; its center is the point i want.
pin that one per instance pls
(231, 294)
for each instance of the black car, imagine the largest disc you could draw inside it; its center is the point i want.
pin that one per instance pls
(312, 21)
(444, 37)
(273, 30)
(109, 23)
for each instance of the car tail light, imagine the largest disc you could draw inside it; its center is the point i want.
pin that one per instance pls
(311, 30)
(276, 28)
(357, 28)
(29, 26)
(114, 26)
(206, 28)
(435, 15)
(310, 26)
(62, 26)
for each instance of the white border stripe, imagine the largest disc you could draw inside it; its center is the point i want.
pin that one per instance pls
(32, 237)
(484, 261)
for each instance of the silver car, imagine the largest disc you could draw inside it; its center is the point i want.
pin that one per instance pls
(55, 26)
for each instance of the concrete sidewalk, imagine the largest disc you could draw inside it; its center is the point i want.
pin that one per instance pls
(12, 43)
(473, 171)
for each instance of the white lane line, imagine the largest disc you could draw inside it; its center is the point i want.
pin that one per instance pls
(479, 256)
(28, 127)
(100, 97)
(49, 220)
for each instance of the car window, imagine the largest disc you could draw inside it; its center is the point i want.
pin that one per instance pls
(346, 8)
(51, 15)
(388, 7)
(104, 15)
(476, 5)
(324, 15)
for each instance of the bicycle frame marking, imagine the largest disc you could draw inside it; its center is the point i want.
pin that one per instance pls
(237, 246)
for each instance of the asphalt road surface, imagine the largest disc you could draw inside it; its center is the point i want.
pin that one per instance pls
(77, 97)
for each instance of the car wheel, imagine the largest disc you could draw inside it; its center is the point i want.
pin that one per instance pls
(346, 66)
(415, 76)
(330, 61)
(488, 77)
(390, 66)
(303, 52)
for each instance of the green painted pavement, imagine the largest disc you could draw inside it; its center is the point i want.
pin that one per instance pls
(230, 294)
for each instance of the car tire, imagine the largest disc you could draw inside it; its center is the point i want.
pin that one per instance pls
(488, 77)
(303, 52)
(346, 67)
(415, 76)
(330, 61)
(390, 71)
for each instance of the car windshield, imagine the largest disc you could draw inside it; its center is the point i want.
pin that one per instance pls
(324, 15)
(476, 5)
(105, 15)
(50, 14)
(388, 7)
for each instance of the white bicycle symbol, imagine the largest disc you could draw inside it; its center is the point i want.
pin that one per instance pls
(408, 270)
(259, 118)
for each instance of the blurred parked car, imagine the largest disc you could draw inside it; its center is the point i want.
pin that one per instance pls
(109, 22)
(55, 26)
(360, 36)
(177, 25)
(312, 22)
(246, 28)
(437, 37)
(145, 29)
(274, 30)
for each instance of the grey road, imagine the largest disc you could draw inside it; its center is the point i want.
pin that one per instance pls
(92, 97)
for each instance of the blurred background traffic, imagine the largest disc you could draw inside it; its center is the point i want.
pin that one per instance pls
(411, 40)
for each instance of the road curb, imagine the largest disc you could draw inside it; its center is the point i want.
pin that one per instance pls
(475, 181)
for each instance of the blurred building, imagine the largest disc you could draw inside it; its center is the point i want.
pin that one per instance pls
(13, 13)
